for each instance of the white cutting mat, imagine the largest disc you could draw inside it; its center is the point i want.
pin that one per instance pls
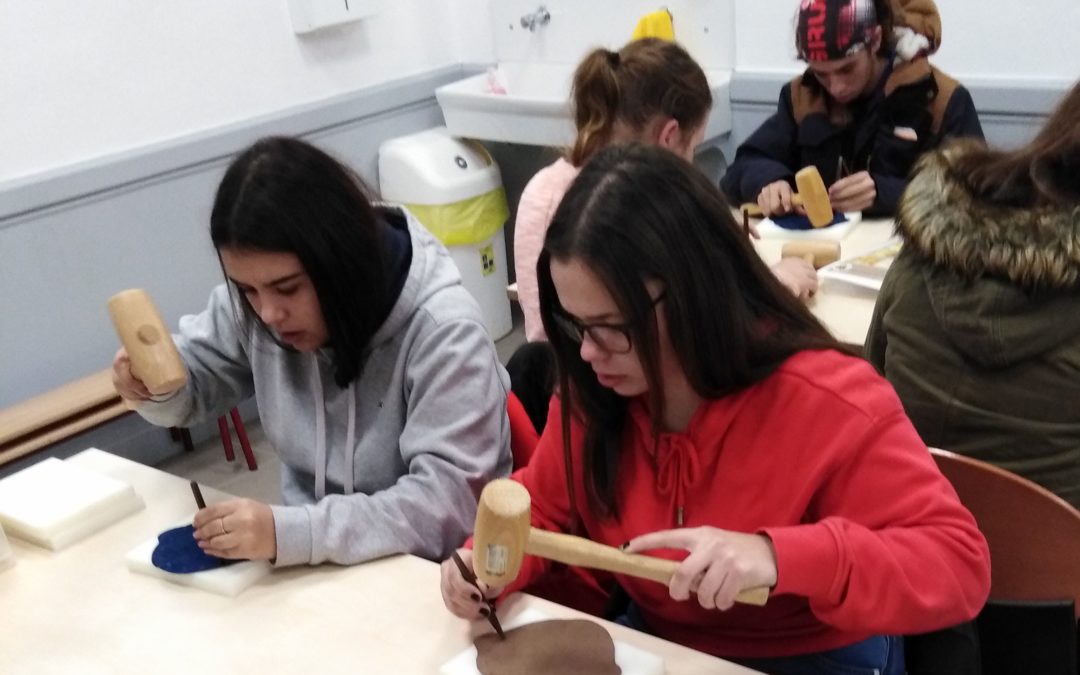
(867, 270)
(56, 503)
(632, 660)
(229, 581)
(770, 230)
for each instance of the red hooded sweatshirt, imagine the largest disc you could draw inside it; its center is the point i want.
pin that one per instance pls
(870, 538)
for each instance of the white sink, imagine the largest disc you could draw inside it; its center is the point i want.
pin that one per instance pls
(535, 110)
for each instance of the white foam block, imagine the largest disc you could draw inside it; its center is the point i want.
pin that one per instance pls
(56, 503)
(632, 660)
(229, 581)
(770, 230)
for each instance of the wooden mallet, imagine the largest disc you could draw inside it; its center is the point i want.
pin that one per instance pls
(154, 358)
(817, 253)
(812, 195)
(503, 537)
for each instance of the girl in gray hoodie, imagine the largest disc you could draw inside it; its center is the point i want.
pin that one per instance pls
(374, 377)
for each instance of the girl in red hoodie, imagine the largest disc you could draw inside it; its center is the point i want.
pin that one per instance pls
(711, 419)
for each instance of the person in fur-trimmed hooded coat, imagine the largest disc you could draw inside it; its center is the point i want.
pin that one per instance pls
(977, 324)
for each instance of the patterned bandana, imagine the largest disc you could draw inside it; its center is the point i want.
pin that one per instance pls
(827, 30)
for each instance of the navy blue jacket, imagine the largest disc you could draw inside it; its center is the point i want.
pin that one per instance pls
(809, 128)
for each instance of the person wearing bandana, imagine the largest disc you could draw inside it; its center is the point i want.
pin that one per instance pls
(867, 107)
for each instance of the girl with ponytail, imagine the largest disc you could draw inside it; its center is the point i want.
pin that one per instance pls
(652, 92)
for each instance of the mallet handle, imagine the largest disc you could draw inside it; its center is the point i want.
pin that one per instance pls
(571, 550)
(755, 210)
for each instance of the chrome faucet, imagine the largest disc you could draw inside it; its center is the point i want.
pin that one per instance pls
(541, 17)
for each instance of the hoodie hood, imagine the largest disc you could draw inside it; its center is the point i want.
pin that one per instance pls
(428, 275)
(1003, 282)
(921, 16)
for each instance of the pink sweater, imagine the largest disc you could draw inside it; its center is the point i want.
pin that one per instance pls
(538, 203)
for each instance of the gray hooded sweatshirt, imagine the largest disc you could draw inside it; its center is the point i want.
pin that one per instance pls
(395, 462)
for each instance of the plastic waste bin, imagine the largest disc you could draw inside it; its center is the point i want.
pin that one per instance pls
(454, 188)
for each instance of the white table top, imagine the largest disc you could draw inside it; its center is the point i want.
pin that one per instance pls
(80, 610)
(844, 309)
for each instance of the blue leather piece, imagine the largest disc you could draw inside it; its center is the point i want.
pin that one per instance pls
(794, 221)
(179, 553)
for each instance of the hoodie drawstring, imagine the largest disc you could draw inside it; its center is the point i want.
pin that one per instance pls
(320, 435)
(350, 439)
(320, 431)
(677, 469)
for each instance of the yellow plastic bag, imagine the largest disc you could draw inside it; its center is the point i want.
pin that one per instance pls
(470, 221)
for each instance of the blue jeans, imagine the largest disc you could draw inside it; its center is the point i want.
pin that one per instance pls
(877, 655)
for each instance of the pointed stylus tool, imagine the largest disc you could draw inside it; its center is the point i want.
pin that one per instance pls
(471, 578)
(198, 495)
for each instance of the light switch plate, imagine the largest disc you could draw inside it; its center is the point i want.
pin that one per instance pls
(311, 15)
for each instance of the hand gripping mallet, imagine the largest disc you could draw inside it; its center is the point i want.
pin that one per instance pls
(812, 195)
(154, 359)
(503, 536)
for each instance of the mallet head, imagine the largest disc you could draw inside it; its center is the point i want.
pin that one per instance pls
(154, 358)
(817, 253)
(502, 531)
(814, 196)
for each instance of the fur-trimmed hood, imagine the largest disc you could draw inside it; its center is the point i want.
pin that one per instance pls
(944, 222)
(1003, 283)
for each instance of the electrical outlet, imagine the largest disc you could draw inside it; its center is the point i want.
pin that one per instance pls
(311, 15)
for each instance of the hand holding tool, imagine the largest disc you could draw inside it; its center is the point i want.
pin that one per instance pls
(154, 359)
(471, 578)
(812, 195)
(503, 536)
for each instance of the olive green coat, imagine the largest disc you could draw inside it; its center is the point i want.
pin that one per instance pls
(978, 327)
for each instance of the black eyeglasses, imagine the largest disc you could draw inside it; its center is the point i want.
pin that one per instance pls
(613, 338)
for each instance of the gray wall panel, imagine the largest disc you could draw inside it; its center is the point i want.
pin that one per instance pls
(61, 260)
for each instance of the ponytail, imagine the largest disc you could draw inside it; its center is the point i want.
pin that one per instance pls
(646, 79)
(595, 94)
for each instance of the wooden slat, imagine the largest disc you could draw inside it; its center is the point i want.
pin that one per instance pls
(56, 433)
(53, 406)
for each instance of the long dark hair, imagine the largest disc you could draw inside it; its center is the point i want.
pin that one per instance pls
(644, 79)
(638, 213)
(285, 195)
(1045, 172)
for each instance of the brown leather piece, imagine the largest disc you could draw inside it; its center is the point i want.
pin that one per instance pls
(548, 648)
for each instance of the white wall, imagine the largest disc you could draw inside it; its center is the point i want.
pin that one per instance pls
(469, 25)
(84, 80)
(1007, 39)
(576, 27)
(981, 39)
